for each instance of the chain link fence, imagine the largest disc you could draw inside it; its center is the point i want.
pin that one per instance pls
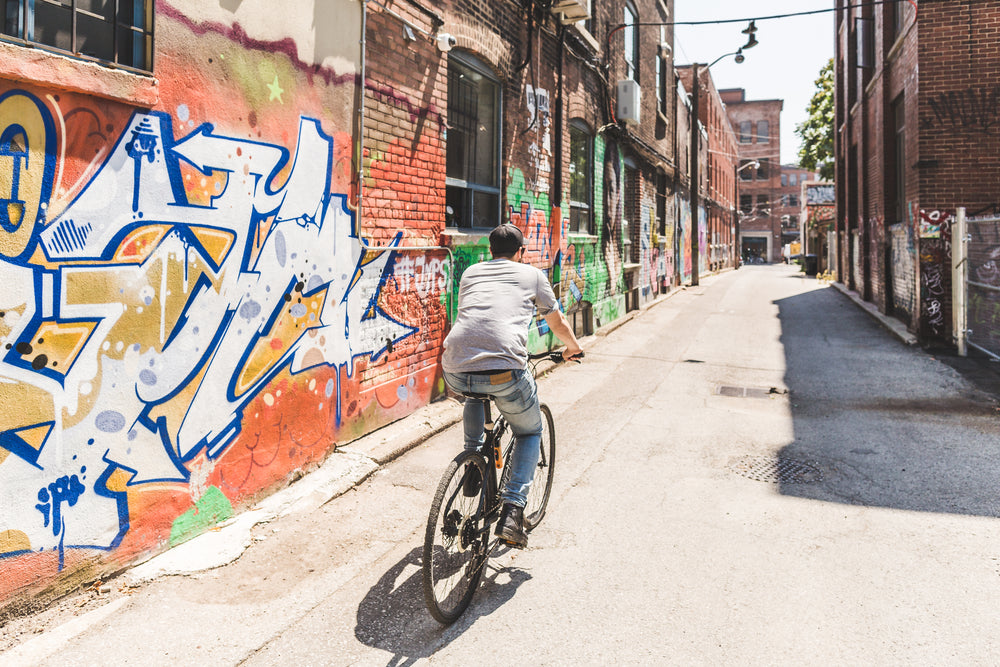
(982, 284)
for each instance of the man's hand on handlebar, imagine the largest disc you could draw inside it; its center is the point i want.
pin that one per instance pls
(572, 353)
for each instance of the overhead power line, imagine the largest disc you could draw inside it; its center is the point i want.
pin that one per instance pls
(869, 3)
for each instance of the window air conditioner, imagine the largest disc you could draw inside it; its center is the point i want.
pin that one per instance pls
(629, 96)
(572, 11)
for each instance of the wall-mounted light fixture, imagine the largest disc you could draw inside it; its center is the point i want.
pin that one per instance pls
(446, 42)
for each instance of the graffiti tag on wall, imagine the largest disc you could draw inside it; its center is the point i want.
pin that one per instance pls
(137, 326)
(974, 108)
(935, 275)
(820, 194)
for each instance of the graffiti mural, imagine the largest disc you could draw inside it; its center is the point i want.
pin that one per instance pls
(612, 248)
(903, 271)
(935, 273)
(820, 194)
(140, 325)
(682, 248)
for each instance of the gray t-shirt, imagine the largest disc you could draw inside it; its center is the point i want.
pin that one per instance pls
(496, 303)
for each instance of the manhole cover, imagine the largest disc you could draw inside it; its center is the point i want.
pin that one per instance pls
(776, 470)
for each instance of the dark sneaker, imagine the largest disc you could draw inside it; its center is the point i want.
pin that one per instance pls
(472, 482)
(510, 528)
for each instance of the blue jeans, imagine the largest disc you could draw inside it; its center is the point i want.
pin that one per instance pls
(516, 397)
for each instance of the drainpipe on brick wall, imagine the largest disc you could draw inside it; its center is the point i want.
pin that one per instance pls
(361, 159)
(558, 185)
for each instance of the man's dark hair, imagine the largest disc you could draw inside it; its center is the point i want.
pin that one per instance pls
(505, 240)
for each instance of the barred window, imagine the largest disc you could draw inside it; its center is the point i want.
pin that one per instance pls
(111, 31)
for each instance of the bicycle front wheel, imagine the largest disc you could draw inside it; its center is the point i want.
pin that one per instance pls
(455, 544)
(541, 486)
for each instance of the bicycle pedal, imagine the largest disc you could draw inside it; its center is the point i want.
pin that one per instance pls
(513, 545)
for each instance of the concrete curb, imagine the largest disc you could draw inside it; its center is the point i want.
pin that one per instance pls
(892, 324)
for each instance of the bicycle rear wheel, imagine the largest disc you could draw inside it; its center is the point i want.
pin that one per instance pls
(541, 485)
(455, 544)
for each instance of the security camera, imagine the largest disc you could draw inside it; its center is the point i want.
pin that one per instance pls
(445, 42)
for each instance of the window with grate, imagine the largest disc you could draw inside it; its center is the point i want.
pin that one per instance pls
(473, 168)
(110, 31)
(581, 178)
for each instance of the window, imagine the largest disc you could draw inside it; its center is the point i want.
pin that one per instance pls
(793, 200)
(762, 203)
(631, 42)
(745, 131)
(661, 73)
(472, 154)
(115, 31)
(746, 203)
(763, 132)
(581, 178)
(746, 173)
(784, 179)
(762, 170)
(793, 178)
(630, 212)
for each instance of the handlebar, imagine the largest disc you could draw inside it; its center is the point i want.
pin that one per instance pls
(555, 357)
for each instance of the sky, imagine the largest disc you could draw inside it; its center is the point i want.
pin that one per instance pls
(784, 65)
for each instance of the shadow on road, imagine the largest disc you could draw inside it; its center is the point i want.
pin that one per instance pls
(392, 616)
(884, 424)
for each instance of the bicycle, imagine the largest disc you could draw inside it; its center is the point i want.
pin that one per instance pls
(459, 541)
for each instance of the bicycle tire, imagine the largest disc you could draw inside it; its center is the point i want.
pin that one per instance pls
(541, 485)
(455, 544)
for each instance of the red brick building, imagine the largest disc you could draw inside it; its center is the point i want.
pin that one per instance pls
(916, 137)
(787, 204)
(717, 195)
(757, 124)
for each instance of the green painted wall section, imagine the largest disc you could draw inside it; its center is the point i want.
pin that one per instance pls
(582, 267)
(212, 508)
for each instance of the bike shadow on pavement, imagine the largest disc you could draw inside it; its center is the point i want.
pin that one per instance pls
(878, 423)
(392, 616)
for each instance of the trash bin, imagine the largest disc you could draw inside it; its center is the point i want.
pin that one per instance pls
(812, 265)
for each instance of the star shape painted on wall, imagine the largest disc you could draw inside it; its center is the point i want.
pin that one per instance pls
(276, 90)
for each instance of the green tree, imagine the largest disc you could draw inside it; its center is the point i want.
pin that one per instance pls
(816, 132)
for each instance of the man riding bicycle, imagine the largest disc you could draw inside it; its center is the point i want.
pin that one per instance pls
(486, 353)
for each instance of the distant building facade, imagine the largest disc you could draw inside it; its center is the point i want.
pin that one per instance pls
(788, 200)
(718, 165)
(757, 124)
